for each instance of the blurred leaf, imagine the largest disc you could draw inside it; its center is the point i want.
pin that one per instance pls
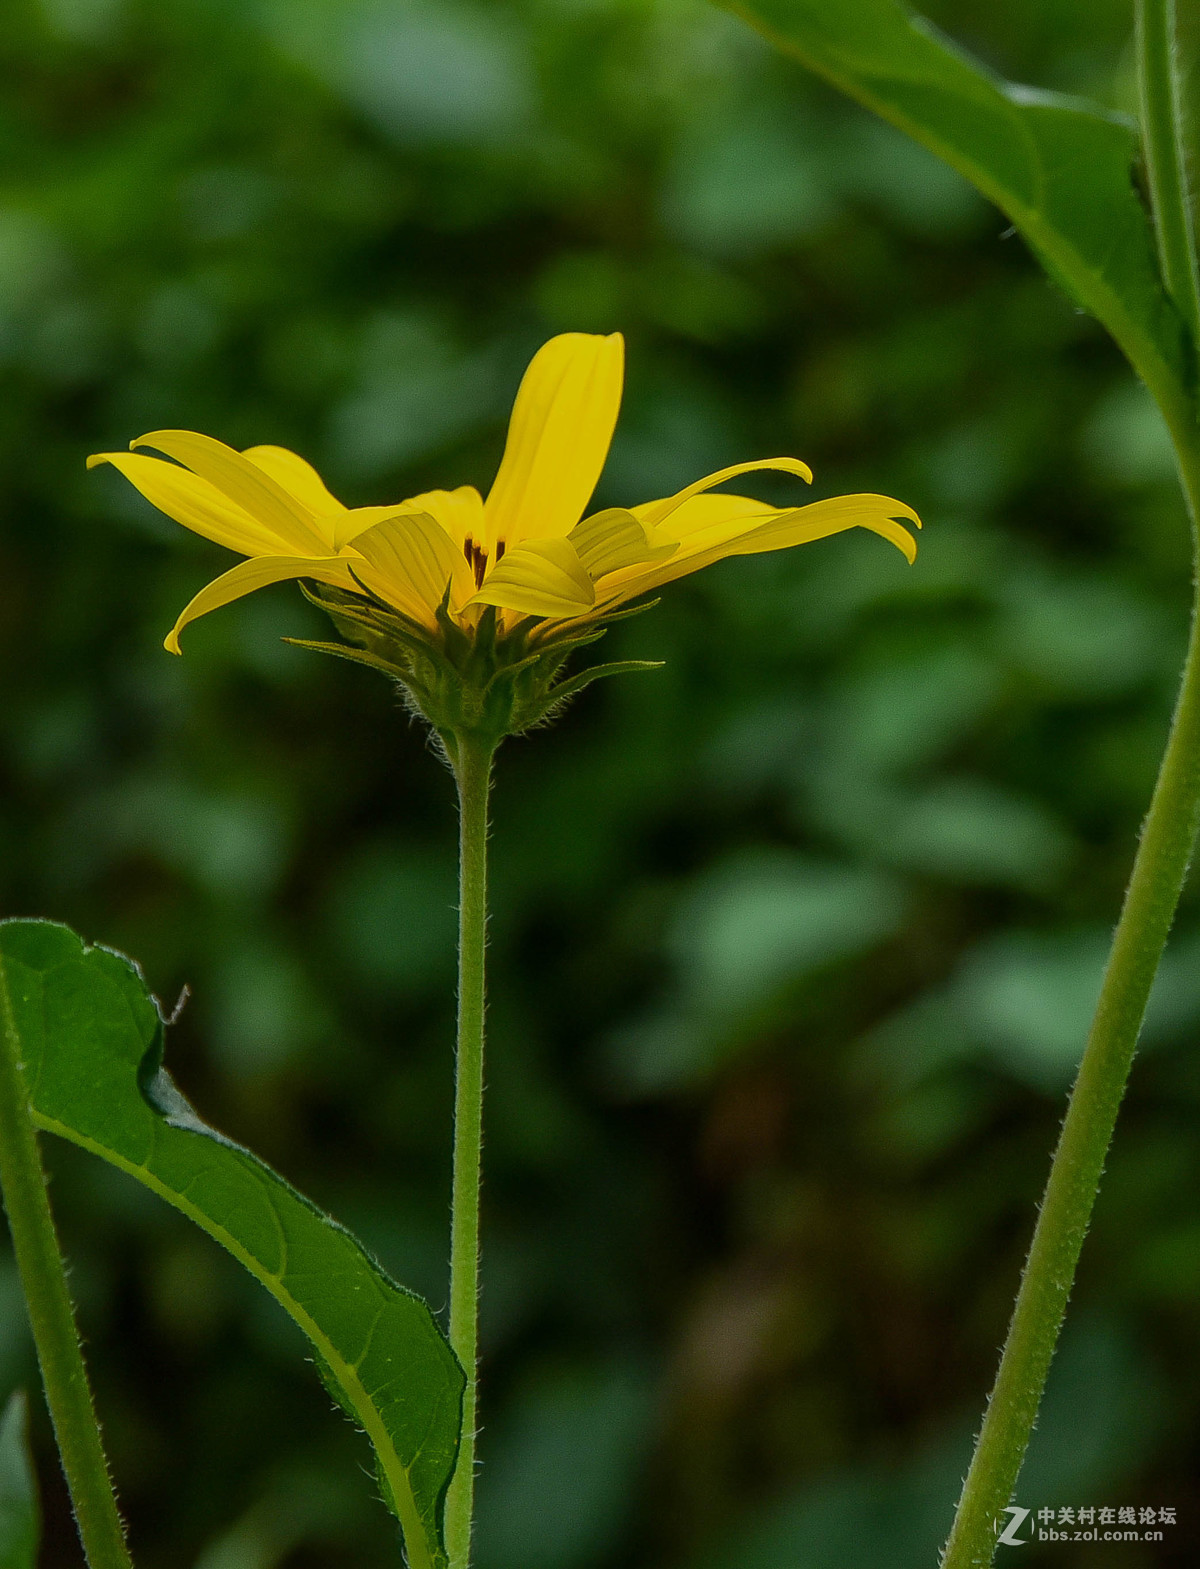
(263, 1008)
(415, 391)
(1060, 168)
(752, 923)
(16, 1342)
(567, 1463)
(1083, 635)
(299, 1507)
(392, 916)
(918, 192)
(441, 73)
(1101, 1416)
(20, 1523)
(903, 712)
(92, 1037)
(1031, 996)
(970, 831)
(857, 1517)
(1174, 1005)
(1103, 1408)
(745, 182)
(748, 928)
(1125, 439)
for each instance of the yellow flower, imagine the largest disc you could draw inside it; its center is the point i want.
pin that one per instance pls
(527, 549)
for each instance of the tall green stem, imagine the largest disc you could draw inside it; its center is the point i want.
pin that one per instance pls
(1159, 869)
(472, 758)
(43, 1279)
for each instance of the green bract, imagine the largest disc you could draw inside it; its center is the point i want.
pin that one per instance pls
(488, 684)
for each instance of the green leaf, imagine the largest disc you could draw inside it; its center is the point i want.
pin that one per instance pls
(1060, 168)
(92, 1039)
(20, 1517)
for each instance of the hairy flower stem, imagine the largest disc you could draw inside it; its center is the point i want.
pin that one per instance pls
(44, 1282)
(472, 760)
(1159, 869)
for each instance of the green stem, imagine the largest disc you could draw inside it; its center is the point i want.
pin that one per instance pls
(472, 758)
(1159, 870)
(1158, 874)
(44, 1281)
(1162, 126)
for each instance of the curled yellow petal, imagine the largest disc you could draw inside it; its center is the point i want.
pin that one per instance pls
(543, 577)
(409, 562)
(822, 518)
(558, 438)
(778, 531)
(247, 484)
(257, 573)
(194, 502)
(654, 513)
(709, 518)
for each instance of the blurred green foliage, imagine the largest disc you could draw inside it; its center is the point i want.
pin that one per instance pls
(794, 941)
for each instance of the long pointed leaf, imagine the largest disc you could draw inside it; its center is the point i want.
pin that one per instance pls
(1061, 169)
(92, 1040)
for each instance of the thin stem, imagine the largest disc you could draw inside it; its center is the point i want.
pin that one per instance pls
(473, 769)
(1162, 125)
(43, 1279)
(1159, 869)
(1158, 874)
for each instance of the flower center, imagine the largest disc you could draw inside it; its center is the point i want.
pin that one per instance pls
(477, 558)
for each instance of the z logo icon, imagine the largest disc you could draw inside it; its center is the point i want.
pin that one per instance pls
(1007, 1537)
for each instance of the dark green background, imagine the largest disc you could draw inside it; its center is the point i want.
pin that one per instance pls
(794, 941)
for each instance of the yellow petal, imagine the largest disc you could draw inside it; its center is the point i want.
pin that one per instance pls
(610, 540)
(460, 513)
(246, 484)
(409, 561)
(558, 438)
(298, 478)
(543, 577)
(709, 519)
(193, 502)
(258, 573)
(798, 526)
(821, 518)
(653, 513)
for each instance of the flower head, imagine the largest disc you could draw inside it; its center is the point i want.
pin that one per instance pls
(521, 573)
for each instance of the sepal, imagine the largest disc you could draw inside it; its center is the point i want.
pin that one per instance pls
(489, 682)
